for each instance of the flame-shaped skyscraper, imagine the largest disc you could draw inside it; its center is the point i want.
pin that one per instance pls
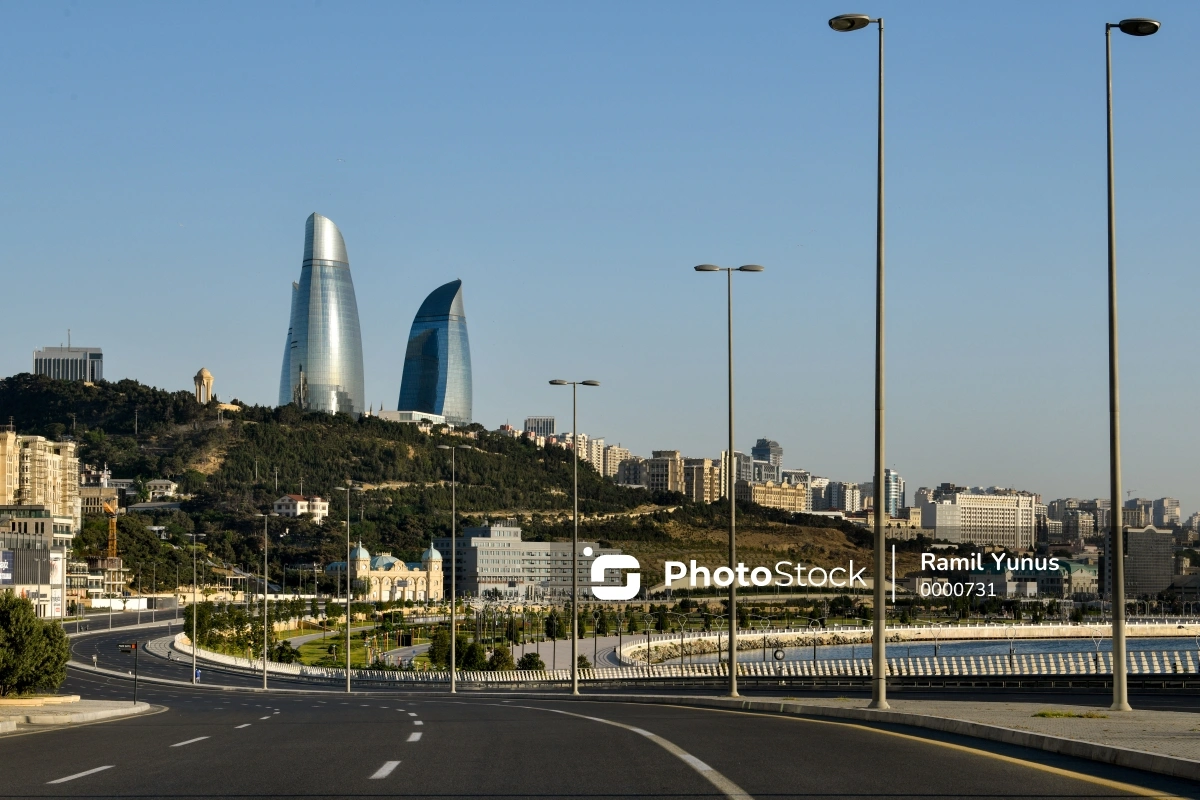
(322, 359)
(437, 363)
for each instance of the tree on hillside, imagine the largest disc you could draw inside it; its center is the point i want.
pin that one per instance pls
(33, 652)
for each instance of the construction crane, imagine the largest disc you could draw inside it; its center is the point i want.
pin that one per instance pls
(112, 529)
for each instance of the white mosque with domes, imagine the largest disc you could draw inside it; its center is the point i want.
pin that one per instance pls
(386, 578)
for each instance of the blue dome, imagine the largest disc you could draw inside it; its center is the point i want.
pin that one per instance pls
(431, 555)
(360, 553)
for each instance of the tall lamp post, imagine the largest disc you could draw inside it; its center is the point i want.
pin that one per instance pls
(845, 23)
(1116, 552)
(347, 489)
(453, 562)
(575, 534)
(266, 589)
(730, 472)
(195, 608)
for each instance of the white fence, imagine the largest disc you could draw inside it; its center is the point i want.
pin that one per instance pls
(1024, 664)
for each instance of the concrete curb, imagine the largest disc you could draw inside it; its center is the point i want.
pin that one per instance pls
(1092, 751)
(7, 725)
(87, 716)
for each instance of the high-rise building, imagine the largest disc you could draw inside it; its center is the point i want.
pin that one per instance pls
(1004, 517)
(1138, 513)
(664, 471)
(69, 363)
(765, 471)
(1077, 524)
(703, 480)
(1166, 512)
(322, 358)
(894, 496)
(842, 496)
(768, 450)
(1149, 561)
(437, 364)
(540, 426)
(632, 471)
(35, 471)
(614, 454)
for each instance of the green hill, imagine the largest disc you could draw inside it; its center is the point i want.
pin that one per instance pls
(145, 433)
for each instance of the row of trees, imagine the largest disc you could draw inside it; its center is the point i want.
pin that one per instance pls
(33, 652)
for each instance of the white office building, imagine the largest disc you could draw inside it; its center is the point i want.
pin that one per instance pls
(494, 563)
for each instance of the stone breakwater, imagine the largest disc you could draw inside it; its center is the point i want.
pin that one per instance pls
(665, 646)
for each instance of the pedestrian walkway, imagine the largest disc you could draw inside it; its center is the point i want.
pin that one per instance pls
(1172, 733)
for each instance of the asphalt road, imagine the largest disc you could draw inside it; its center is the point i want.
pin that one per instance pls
(211, 743)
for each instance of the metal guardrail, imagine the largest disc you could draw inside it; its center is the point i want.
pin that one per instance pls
(1080, 664)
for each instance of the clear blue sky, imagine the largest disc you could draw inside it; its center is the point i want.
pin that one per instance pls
(572, 162)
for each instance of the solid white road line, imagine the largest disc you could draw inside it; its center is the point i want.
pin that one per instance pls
(385, 770)
(727, 787)
(80, 774)
(415, 736)
(190, 741)
(239, 727)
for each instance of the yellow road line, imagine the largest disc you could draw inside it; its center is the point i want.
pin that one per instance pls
(1139, 791)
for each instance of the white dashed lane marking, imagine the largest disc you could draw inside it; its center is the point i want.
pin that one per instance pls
(264, 717)
(244, 725)
(415, 736)
(412, 713)
(385, 770)
(418, 722)
(81, 774)
(190, 741)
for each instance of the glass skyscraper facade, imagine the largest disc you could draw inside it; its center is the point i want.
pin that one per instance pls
(437, 363)
(322, 357)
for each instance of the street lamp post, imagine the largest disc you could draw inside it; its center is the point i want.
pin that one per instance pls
(347, 489)
(844, 23)
(575, 534)
(195, 609)
(731, 470)
(453, 562)
(266, 588)
(1116, 551)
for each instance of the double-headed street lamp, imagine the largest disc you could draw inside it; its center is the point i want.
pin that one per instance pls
(453, 561)
(845, 23)
(1116, 550)
(575, 535)
(349, 487)
(731, 470)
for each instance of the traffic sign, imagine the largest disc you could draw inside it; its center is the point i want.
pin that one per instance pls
(779, 654)
(127, 647)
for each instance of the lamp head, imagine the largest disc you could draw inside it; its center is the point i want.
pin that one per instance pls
(843, 23)
(708, 268)
(750, 268)
(444, 447)
(1139, 26)
(591, 383)
(558, 383)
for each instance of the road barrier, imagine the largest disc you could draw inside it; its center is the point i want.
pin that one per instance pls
(1076, 664)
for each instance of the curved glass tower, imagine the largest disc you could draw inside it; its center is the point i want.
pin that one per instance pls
(322, 360)
(437, 364)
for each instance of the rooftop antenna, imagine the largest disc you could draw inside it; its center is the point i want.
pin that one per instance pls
(68, 338)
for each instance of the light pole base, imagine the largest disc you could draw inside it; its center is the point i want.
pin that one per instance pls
(1120, 707)
(880, 704)
(879, 695)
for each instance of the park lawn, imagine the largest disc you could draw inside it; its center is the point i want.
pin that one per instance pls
(315, 653)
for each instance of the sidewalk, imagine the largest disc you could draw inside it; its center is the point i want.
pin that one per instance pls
(40, 714)
(1166, 742)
